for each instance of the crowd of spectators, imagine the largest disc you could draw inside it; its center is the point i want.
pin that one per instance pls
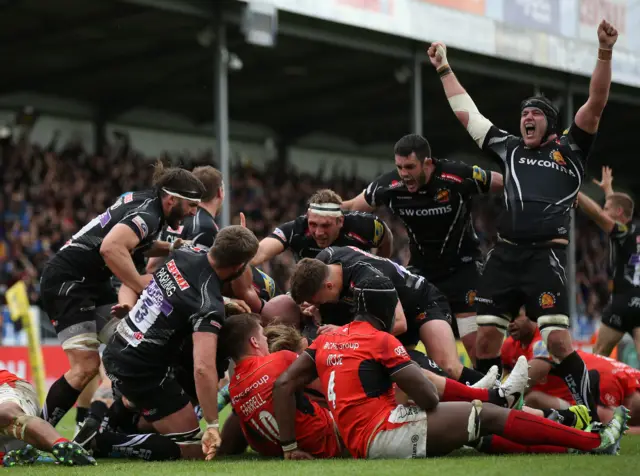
(50, 192)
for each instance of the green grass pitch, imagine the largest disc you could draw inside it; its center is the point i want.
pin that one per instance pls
(463, 463)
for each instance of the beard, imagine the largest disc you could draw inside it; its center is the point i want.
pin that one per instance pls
(175, 217)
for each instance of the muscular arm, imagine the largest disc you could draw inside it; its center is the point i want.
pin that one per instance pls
(154, 264)
(386, 247)
(357, 204)
(205, 373)
(116, 251)
(269, 247)
(301, 373)
(417, 386)
(159, 249)
(596, 213)
(242, 288)
(588, 116)
(463, 106)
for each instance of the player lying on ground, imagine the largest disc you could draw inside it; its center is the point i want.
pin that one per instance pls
(19, 420)
(615, 383)
(544, 172)
(251, 389)
(616, 220)
(332, 275)
(358, 364)
(182, 301)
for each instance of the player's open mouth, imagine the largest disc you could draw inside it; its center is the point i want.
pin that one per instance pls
(530, 129)
(409, 183)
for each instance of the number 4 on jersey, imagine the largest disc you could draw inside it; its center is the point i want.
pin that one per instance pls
(331, 394)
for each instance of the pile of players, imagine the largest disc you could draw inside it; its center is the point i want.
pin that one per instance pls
(332, 368)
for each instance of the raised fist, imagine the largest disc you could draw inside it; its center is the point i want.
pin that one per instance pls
(437, 54)
(607, 35)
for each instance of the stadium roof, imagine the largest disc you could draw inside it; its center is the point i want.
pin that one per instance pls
(120, 55)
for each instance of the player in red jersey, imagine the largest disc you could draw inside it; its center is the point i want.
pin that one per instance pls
(615, 382)
(357, 365)
(251, 393)
(19, 410)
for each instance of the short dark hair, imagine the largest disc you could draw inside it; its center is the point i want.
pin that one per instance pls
(235, 332)
(177, 180)
(623, 201)
(234, 245)
(211, 178)
(307, 279)
(413, 143)
(281, 337)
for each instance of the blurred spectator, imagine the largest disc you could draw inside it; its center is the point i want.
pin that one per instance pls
(48, 196)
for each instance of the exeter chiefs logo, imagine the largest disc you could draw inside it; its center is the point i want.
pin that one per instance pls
(471, 297)
(557, 158)
(442, 195)
(547, 300)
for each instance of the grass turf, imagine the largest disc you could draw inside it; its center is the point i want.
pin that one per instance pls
(462, 463)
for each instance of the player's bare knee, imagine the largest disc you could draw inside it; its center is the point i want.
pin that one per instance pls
(84, 367)
(491, 332)
(554, 329)
(8, 412)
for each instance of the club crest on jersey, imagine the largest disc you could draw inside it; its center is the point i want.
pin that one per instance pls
(547, 300)
(557, 158)
(442, 195)
(175, 272)
(451, 177)
(471, 297)
(395, 183)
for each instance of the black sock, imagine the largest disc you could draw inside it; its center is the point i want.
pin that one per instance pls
(150, 447)
(98, 410)
(469, 376)
(120, 418)
(60, 400)
(81, 414)
(574, 373)
(484, 365)
(496, 398)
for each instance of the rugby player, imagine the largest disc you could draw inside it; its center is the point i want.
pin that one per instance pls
(432, 198)
(76, 282)
(544, 172)
(623, 312)
(324, 225)
(183, 301)
(22, 430)
(422, 313)
(255, 287)
(615, 383)
(358, 365)
(251, 393)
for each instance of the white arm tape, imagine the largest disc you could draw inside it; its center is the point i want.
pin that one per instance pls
(478, 125)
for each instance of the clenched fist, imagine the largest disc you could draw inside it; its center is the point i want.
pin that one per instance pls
(607, 35)
(438, 54)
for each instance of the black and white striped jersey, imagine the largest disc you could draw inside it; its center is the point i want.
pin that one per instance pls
(437, 216)
(540, 185)
(140, 211)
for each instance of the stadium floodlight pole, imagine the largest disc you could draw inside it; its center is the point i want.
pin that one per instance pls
(571, 261)
(221, 105)
(416, 93)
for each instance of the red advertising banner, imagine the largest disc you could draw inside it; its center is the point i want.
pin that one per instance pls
(16, 361)
(471, 6)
